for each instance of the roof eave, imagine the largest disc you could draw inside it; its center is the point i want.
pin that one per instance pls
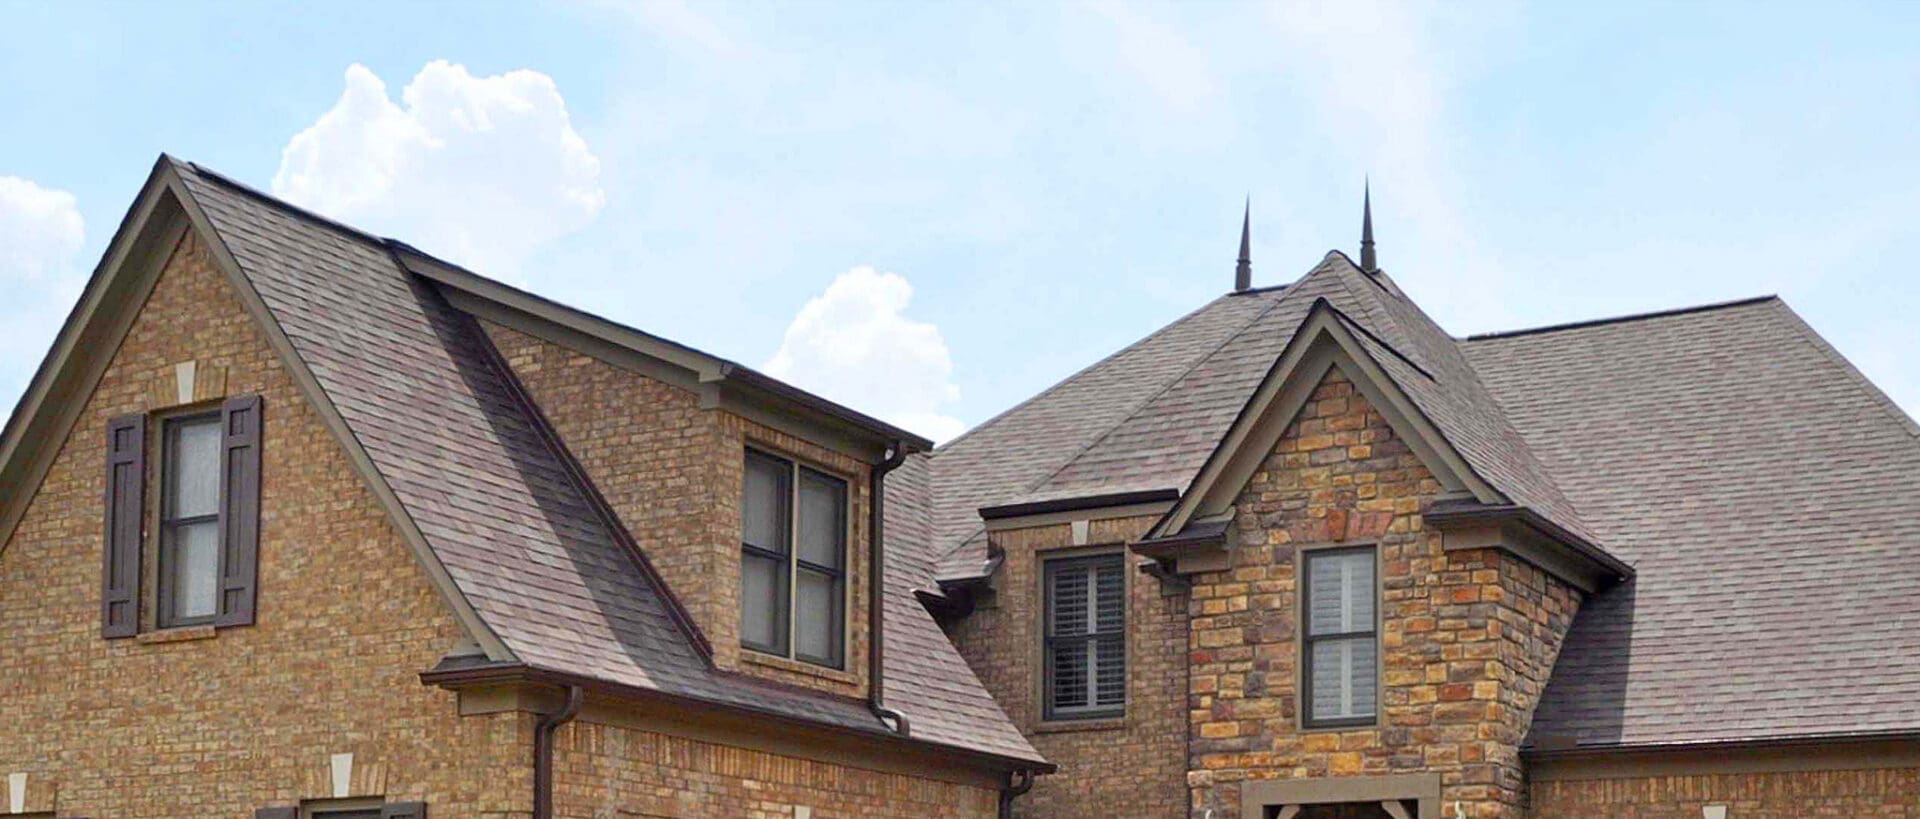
(455, 673)
(1447, 515)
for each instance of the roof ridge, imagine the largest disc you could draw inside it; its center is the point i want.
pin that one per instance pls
(1090, 367)
(277, 202)
(1576, 325)
(949, 549)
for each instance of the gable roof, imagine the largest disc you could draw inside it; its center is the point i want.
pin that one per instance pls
(540, 577)
(1163, 440)
(1769, 497)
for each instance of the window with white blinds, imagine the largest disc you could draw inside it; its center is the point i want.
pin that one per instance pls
(1342, 646)
(1085, 662)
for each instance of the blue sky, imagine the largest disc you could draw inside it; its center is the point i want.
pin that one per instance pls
(988, 197)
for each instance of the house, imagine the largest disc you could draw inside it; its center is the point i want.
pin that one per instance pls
(299, 522)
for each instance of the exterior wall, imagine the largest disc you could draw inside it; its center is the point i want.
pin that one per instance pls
(1467, 637)
(1889, 793)
(1137, 762)
(672, 471)
(195, 722)
(603, 770)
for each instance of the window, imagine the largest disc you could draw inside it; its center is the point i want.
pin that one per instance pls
(1341, 646)
(190, 521)
(207, 518)
(793, 561)
(1085, 662)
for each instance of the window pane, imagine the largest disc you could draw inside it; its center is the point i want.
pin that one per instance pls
(763, 603)
(1340, 597)
(194, 570)
(1110, 670)
(763, 504)
(1343, 678)
(818, 625)
(193, 469)
(1067, 599)
(823, 519)
(1070, 675)
(1111, 595)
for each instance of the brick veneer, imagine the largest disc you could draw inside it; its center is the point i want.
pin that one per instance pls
(1885, 793)
(250, 716)
(1134, 765)
(607, 770)
(1468, 637)
(672, 471)
(218, 723)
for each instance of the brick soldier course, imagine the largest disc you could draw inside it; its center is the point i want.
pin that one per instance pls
(491, 562)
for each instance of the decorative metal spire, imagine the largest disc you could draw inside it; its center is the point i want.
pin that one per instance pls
(1243, 272)
(1368, 261)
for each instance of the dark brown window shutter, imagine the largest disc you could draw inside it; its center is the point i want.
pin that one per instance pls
(277, 813)
(239, 510)
(404, 810)
(126, 509)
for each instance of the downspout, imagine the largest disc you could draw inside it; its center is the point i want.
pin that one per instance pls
(1018, 783)
(877, 589)
(543, 732)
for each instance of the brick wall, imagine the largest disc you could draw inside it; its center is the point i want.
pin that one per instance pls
(604, 770)
(1885, 793)
(1135, 765)
(222, 724)
(1467, 637)
(672, 471)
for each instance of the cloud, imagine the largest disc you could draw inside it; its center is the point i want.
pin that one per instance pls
(854, 344)
(482, 170)
(41, 234)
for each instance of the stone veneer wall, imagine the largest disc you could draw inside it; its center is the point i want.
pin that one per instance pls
(672, 471)
(1892, 793)
(1467, 637)
(1132, 766)
(197, 722)
(607, 771)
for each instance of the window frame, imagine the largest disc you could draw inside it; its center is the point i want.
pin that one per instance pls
(1049, 565)
(165, 527)
(795, 472)
(1308, 639)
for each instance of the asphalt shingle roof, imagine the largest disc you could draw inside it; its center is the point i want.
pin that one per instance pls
(413, 380)
(1768, 497)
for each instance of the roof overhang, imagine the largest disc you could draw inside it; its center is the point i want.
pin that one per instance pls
(455, 673)
(720, 383)
(1529, 536)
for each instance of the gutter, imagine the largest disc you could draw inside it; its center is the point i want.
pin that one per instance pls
(450, 676)
(543, 732)
(877, 590)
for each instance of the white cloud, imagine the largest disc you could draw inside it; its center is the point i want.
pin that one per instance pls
(854, 344)
(482, 170)
(41, 234)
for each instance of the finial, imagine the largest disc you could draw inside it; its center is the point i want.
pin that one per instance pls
(1243, 272)
(1368, 262)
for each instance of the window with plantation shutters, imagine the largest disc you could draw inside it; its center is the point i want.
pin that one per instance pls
(1085, 651)
(1341, 648)
(793, 561)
